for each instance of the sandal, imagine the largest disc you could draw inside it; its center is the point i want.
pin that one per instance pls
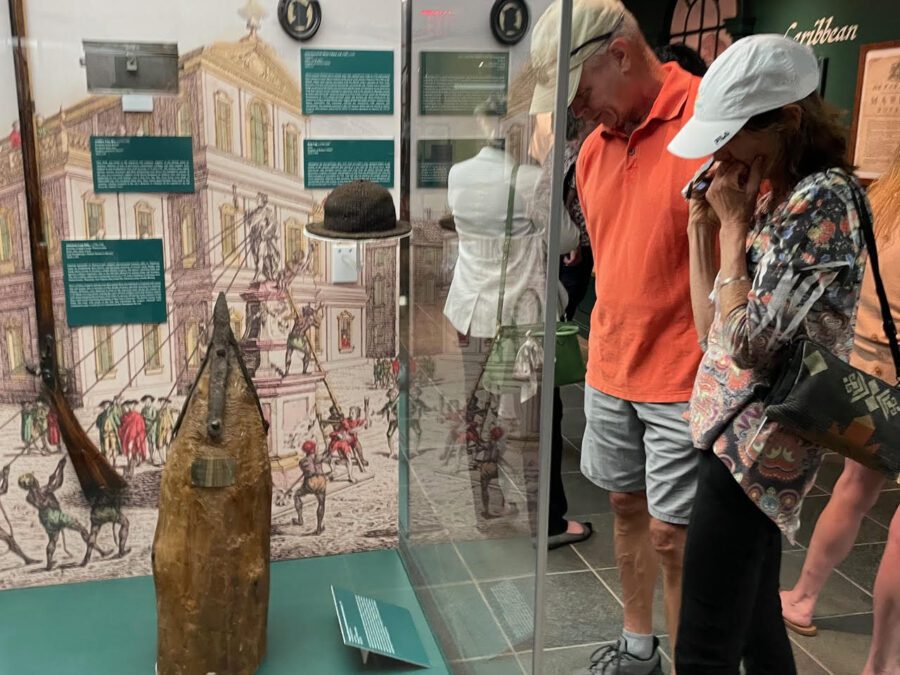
(806, 631)
(566, 538)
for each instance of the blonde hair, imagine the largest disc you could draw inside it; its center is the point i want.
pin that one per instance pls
(884, 196)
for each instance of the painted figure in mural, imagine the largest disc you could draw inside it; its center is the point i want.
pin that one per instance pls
(270, 252)
(105, 511)
(54, 437)
(50, 514)
(27, 427)
(298, 338)
(15, 137)
(109, 433)
(339, 448)
(314, 483)
(165, 426)
(117, 411)
(490, 456)
(455, 444)
(40, 425)
(151, 416)
(7, 537)
(391, 414)
(417, 407)
(357, 419)
(133, 437)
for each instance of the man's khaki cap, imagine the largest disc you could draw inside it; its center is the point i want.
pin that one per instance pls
(591, 20)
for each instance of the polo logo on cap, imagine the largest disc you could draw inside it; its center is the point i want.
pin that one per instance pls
(722, 138)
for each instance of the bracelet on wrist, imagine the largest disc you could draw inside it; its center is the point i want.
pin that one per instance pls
(733, 280)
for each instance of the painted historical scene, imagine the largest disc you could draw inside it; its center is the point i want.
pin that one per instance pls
(322, 355)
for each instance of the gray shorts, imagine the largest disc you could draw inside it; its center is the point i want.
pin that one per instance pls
(636, 447)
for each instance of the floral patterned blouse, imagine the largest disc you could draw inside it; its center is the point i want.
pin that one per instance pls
(806, 258)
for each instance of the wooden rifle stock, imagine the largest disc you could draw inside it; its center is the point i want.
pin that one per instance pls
(96, 476)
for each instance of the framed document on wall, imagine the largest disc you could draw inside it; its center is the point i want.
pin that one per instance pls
(875, 138)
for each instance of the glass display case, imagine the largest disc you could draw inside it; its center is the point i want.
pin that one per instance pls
(206, 136)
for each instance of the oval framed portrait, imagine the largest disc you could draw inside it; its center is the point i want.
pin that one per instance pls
(300, 19)
(509, 21)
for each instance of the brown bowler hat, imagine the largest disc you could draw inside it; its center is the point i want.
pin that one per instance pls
(359, 210)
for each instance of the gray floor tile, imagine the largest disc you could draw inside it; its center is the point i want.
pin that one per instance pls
(839, 595)
(842, 644)
(504, 665)
(599, 550)
(571, 462)
(832, 465)
(579, 610)
(568, 660)
(583, 496)
(438, 564)
(805, 663)
(611, 577)
(573, 424)
(572, 396)
(869, 532)
(462, 623)
(504, 558)
(862, 564)
(887, 505)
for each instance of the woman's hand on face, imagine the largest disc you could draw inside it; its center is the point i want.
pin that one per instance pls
(701, 216)
(734, 191)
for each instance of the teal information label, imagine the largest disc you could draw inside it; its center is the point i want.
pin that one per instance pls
(114, 281)
(378, 627)
(327, 164)
(435, 157)
(142, 163)
(345, 82)
(455, 83)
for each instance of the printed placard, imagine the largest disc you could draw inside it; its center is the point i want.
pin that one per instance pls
(455, 83)
(329, 163)
(114, 281)
(142, 164)
(347, 82)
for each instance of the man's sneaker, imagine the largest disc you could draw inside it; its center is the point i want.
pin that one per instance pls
(615, 660)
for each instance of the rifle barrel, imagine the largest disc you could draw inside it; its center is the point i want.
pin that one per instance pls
(95, 475)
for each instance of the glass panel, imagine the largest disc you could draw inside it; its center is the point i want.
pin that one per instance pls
(478, 194)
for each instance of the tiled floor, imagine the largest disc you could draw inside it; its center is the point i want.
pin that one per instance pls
(485, 584)
(844, 613)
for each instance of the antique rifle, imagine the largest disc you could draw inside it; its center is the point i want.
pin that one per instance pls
(98, 479)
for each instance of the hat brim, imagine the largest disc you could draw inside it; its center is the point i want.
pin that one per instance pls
(543, 100)
(699, 138)
(319, 230)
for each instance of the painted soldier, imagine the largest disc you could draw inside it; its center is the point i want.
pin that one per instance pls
(51, 516)
(314, 483)
(351, 426)
(133, 437)
(150, 415)
(54, 436)
(109, 434)
(270, 254)
(103, 511)
(417, 407)
(298, 339)
(165, 426)
(390, 412)
(7, 537)
(27, 428)
(40, 425)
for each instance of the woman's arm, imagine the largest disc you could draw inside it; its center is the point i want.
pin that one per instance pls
(703, 226)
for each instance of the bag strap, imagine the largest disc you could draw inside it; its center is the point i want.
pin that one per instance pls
(507, 240)
(865, 224)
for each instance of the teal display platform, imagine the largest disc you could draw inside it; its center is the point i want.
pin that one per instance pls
(109, 627)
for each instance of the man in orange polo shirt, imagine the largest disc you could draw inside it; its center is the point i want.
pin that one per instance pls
(644, 350)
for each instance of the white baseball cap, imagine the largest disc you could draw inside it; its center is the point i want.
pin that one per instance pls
(593, 23)
(754, 75)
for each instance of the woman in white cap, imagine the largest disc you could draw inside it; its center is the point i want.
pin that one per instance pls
(790, 263)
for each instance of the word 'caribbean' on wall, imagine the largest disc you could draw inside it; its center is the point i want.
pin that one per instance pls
(822, 32)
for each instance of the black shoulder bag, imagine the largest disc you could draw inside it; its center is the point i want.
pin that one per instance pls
(830, 403)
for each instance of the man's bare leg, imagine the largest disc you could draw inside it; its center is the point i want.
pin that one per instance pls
(668, 542)
(635, 558)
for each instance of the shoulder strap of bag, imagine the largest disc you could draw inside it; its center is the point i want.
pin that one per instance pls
(865, 224)
(510, 210)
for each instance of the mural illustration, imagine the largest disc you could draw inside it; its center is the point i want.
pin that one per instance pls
(304, 338)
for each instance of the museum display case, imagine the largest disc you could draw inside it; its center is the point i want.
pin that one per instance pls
(181, 152)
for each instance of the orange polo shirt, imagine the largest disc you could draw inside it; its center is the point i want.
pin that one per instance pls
(643, 345)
